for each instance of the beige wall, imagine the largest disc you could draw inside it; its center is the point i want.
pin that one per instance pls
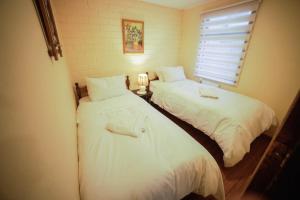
(271, 70)
(37, 117)
(92, 36)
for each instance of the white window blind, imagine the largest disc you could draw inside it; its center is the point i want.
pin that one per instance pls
(224, 38)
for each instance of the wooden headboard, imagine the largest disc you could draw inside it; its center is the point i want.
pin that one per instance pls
(153, 79)
(82, 91)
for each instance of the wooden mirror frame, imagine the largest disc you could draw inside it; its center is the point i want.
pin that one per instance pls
(44, 10)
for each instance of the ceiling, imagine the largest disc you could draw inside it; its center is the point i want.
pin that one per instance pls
(179, 4)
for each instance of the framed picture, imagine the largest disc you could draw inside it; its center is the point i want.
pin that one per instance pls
(133, 36)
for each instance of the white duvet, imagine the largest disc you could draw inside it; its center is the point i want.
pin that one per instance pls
(232, 120)
(163, 163)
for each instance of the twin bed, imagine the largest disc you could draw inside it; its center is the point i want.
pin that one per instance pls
(231, 119)
(162, 162)
(129, 150)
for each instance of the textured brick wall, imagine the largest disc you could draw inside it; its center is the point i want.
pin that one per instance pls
(92, 36)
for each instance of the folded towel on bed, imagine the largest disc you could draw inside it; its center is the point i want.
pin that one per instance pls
(208, 92)
(126, 122)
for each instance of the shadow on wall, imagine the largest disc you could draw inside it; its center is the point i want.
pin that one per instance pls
(24, 150)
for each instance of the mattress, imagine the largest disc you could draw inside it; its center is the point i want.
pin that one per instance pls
(232, 120)
(163, 163)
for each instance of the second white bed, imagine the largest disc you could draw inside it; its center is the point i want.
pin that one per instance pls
(232, 120)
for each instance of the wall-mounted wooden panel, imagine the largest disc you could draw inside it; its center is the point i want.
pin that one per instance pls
(46, 17)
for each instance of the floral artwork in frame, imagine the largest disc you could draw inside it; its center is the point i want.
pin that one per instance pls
(133, 36)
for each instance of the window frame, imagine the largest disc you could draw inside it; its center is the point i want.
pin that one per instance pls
(236, 72)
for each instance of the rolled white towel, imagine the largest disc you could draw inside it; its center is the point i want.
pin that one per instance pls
(208, 92)
(126, 122)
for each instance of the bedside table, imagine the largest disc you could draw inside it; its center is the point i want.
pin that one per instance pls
(146, 96)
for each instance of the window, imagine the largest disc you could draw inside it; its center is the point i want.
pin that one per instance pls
(224, 38)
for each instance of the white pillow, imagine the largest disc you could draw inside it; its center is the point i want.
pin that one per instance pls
(107, 87)
(84, 99)
(171, 74)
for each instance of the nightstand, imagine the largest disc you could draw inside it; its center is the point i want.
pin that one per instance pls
(146, 96)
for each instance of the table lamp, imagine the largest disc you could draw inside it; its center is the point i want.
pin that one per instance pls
(142, 82)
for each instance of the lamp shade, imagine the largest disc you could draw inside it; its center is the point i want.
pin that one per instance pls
(142, 79)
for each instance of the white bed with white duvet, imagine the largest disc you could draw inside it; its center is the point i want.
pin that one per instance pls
(161, 163)
(231, 119)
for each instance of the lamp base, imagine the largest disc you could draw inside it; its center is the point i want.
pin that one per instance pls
(141, 92)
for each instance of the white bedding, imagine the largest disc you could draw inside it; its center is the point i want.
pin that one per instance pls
(164, 163)
(232, 120)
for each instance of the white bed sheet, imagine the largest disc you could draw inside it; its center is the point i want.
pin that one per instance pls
(232, 120)
(164, 163)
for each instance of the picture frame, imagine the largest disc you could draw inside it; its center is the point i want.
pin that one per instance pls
(133, 36)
